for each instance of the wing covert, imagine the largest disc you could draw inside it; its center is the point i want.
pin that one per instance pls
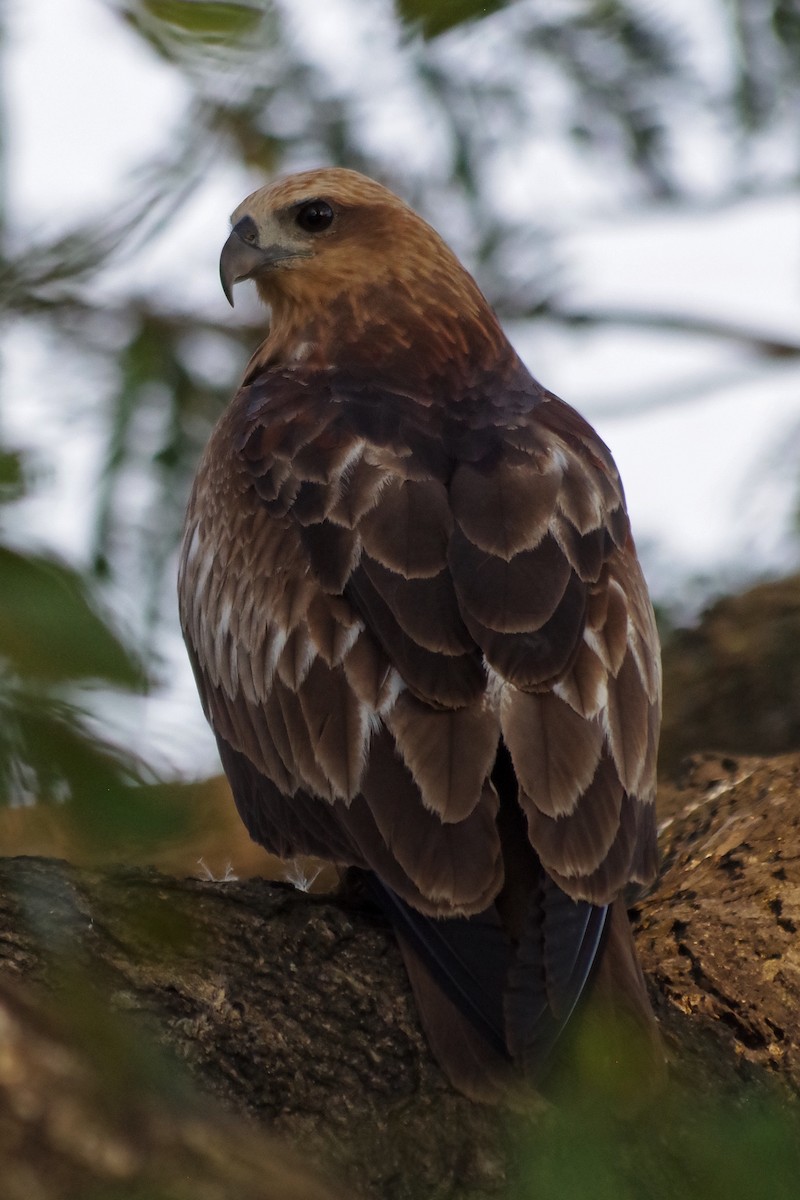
(450, 607)
(549, 587)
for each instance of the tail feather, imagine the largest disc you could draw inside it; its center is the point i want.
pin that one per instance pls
(490, 1003)
(552, 966)
(476, 1066)
(467, 957)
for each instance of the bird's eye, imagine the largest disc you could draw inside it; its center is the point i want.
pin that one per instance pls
(314, 216)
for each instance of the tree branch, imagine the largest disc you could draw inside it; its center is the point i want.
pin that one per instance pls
(295, 1009)
(762, 344)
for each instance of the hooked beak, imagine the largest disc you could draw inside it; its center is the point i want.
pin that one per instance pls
(242, 257)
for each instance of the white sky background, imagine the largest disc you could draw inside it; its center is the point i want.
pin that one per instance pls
(710, 482)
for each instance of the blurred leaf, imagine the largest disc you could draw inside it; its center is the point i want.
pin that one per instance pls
(433, 17)
(61, 757)
(50, 754)
(206, 20)
(686, 1146)
(140, 820)
(49, 630)
(786, 23)
(12, 475)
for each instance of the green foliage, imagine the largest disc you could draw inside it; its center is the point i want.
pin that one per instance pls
(433, 17)
(767, 84)
(158, 389)
(609, 1136)
(208, 20)
(12, 476)
(55, 651)
(53, 642)
(49, 631)
(51, 752)
(687, 1147)
(50, 748)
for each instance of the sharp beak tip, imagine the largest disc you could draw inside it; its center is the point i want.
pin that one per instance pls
(230, 265)
(242, 260)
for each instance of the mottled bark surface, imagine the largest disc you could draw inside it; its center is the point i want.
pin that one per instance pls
(293, 1011)
(289, 1008)
(718, 937)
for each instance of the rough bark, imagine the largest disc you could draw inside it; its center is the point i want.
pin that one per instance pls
(718, 935)
(293, 1012)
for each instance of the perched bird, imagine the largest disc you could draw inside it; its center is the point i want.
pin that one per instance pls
(419, 627)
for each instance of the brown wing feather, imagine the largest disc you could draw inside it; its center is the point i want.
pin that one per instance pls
(444, 680)
(407, 531)
(568, 631)
(450, 753)
(537, 657)
(337, 723)
(425, 609)
(575, 844)
(456, 866)
(516, 595)
(555, 750)
(506, 507)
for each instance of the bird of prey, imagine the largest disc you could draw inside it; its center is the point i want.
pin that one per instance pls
(419, 627)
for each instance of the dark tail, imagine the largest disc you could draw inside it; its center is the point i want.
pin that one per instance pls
(553, 963)
(488, 1004)
(614, 1044)
(468, 958)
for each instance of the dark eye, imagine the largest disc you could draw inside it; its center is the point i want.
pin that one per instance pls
(314, 216)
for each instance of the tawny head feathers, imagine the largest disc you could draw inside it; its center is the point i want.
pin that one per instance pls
(337, 256)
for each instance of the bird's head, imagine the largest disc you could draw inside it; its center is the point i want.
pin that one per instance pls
(338, 257)
(320, 229)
